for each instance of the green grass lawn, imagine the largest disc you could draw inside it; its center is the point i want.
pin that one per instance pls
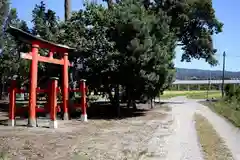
(191, 94)
(229, 111)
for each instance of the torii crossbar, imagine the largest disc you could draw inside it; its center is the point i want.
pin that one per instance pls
(36, 43)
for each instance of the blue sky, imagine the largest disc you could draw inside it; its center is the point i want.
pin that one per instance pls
(227, 41)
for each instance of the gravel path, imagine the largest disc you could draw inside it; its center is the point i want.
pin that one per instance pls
(183, 143)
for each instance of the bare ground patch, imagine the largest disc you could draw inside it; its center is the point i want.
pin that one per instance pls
(97, 139)
(213, 146)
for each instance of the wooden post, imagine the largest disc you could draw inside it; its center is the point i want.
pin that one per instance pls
(65, 87)
(12, 103)
(83, 100)
(33, 86)
(53, 102)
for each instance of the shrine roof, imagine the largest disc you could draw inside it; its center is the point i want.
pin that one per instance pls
(29, 38)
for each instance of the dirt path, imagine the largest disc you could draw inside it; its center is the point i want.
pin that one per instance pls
(184, 142)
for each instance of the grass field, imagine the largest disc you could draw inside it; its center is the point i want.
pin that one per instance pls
(191, 94)
(229, 111)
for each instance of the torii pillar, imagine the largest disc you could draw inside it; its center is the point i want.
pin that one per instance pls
(65, 87)
(33, 86)
(36, 43)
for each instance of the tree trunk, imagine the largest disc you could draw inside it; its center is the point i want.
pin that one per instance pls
(110, 96)
(1, 88)
(67, 9)
(116, 97)
(110, 3)
(128, 103)
(152, 103)
(134, 105)
(128, 98)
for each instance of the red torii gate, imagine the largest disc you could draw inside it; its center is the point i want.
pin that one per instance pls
(36, 43)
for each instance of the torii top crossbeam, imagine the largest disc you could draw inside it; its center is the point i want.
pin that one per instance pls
(29, 39)
(36, 43)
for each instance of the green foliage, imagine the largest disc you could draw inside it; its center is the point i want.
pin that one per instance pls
(146, 47)
(201, 87)
(117, 49)
(46, 25)
(229, 110)
(229, 91)
(96, 52)
(232, 96)
(130, 44)
(10, 62)
(202, 94)
(45, 22)
(230, 106)
(194, 23)
(4, 9)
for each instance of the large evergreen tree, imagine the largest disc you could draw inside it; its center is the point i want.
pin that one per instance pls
(120, 47)
(132, 42)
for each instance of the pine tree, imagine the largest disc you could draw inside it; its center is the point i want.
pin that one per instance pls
(132, 43)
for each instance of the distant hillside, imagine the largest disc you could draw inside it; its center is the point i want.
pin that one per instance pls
(187, 74)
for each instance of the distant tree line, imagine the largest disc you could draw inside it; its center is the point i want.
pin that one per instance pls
(197, 74)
